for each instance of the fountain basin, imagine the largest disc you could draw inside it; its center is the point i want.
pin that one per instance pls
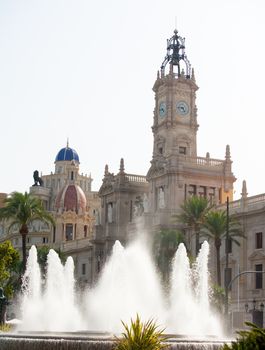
(92, 341)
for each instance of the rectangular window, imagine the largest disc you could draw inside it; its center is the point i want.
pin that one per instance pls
(54, 234)
(227, 276)
(259, 276)
(68, 232)
(258, 240)
(211, 195)
(161, 197)
(229, 245)
(192, 190)
(202, 191)
(85, 231)
(110, 212)
(182, 150)
(83, 269)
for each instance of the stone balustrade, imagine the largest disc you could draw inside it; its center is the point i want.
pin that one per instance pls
(245, 204)
(205, 161)
(256, 199)
(75, 244)
(136, 178)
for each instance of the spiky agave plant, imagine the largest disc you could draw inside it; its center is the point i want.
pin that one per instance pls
(141, 336)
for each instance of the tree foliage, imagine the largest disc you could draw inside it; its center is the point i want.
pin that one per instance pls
(253, 339)
(215, 227)
(166, 242)
(193, 213)
(218, 298)
(43, 252)
(9, 264)
(22, 210)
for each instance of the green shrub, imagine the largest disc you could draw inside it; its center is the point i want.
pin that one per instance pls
(141, 336)
(253, 339)
(5, 328)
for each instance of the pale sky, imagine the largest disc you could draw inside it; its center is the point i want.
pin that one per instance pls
(85, 70)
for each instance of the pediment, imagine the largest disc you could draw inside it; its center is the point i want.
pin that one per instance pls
(106, 188)
(257, 255)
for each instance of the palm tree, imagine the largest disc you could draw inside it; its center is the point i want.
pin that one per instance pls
(215, 227)
(21, 210)
(166, 243)
(193, 213)
(43, 252)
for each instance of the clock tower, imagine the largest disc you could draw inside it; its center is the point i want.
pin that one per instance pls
(175, 115)
(176, 171)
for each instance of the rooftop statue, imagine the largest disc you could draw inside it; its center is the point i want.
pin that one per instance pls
(37, 179)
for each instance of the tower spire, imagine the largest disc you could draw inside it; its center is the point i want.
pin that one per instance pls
(122, 166)
(244, 193)
(67, 142)
(175, 55)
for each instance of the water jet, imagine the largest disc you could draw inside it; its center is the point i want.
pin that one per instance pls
(55, 315)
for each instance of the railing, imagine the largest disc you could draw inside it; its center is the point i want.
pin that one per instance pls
(204, 161)
(232, 205)
(136, 178)
(256, 199)
(247, 203)
(235, 204)
(76, 244)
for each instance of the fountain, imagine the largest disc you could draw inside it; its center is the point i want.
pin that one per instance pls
(54, 312)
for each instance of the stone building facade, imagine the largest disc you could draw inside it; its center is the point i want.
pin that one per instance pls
(68, 196)
(123, 201)
(89, 222)
(176, 170)
(246, 263)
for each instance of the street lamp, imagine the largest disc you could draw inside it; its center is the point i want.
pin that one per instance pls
(256, 311)
(254, 303)
(226, 284)
(246, 307)
(261, 307)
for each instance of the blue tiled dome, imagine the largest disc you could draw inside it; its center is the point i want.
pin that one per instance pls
(67, 153)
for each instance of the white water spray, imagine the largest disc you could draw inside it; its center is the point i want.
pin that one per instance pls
(128, 285)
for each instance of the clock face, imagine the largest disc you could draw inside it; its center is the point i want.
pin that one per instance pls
(162, 109)
(182, 108)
